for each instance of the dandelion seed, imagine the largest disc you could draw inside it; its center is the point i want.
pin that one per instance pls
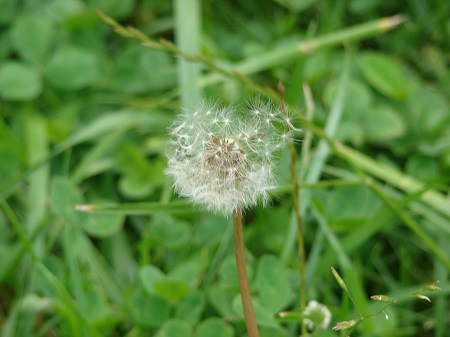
(224, 160)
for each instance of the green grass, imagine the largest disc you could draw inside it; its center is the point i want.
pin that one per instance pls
(85, 103)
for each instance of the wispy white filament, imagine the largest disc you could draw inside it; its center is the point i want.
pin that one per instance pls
(223, 159)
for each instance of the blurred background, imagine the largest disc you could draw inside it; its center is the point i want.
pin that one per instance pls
(84, 112)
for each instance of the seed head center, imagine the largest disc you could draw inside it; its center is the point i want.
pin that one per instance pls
(224, 155)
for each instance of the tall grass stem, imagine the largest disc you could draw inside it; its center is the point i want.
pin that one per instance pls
(187, 37)
(298, 215)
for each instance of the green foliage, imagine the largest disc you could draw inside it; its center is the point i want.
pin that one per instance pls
(32, 37)
(384, 74)
(213, 327)
(84, 112)
(19, 82)
(71, 68)
(272, 283)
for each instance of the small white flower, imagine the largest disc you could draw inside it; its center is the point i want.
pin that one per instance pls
(316, 316)
(223, 159)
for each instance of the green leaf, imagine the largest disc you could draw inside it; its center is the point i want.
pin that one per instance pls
(351, 205)
(72, 68)
(228, 272)
(205, 234)
(384, 73)
(171, 290)
(273, 224)
(382, 124)
(446, 159)
(148, 310)
(316, 66)
(214, 327)
(422, 167)
(19, 82)
(65, 197)
(352, 131)
(174, 328)
(149, 276)
(191, 307)
(65, 304)
(356, 101)
(12, 156)
(140, 178)
(115, 8)
(272, 283)
(103, 225)
(98, 127)
(60, 10)
(135, 71)
(32, 37)
(263, 316)
(83, 21)
(188, 271)
(296, 5)
(135, 186)
(97, 159)
(155, 282)
(5, 46)
(170, 232)
(8, 11)
(428, 111)
(362, 7)
(220, 299)
(356, 105)
(97, 308)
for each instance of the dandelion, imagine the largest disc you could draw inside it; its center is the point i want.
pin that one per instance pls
(316, 316)
(222, 159)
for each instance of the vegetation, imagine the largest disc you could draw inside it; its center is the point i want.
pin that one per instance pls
(94, 242)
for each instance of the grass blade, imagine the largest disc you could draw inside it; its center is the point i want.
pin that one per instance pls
(406, 183)
(188, 37)
(294, 50)
(138, 208)
(319, 159)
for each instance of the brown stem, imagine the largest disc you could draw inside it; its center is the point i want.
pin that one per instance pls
(239, 248)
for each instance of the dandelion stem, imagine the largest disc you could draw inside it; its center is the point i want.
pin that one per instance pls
(249, 313)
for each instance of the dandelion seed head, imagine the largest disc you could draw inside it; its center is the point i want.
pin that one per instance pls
(317, 316)
(223, 159)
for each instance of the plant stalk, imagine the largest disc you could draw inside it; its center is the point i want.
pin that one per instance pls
(249, 314)
(299, 220)
(297, 210)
